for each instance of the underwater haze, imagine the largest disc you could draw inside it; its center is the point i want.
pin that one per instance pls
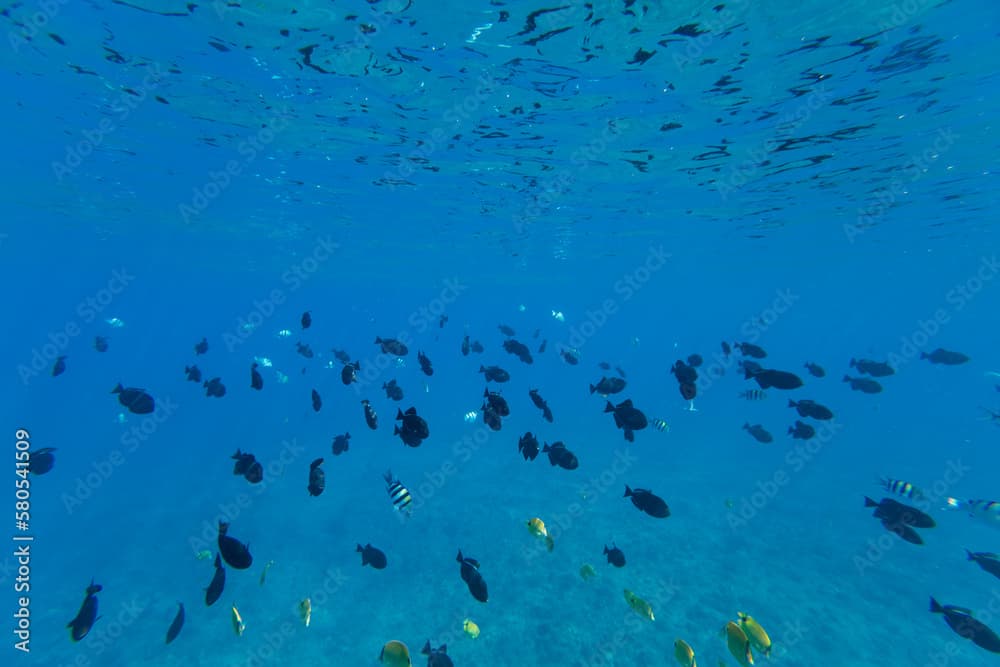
(653, 214)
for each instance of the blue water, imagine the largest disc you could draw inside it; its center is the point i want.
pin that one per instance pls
(819, 180)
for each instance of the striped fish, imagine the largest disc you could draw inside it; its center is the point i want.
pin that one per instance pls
(660, 425)
(398, 494)
(901, 488)
(753, 394)
(985, 511)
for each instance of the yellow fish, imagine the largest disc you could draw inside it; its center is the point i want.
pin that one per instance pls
(537, 528)
(639, 605)
(238, 625)
(684, 654)
(755, 633)
(470, 628)
(263, 575)
(306, 610)
(739, 644)
(587, 572)
(395, 654)
(204, 554)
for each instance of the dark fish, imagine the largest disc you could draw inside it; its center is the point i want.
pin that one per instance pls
(214, 387)
(136, 400)
(491, 418)
(604, 366)
(214, 590)
(201, 347)
(392, 346)
(506, 330)
(896, 512)
(478, 348)
(193, 373)
(371, 418)
(465, 346)
(648, 502)
(413, 430)
(307, 320)
(571, 357)
(767, 378)
(863, 385)
(812, 409)
(494, 374)
(178, 623)
(349, 373)
(695, 360)
(801, 431)
(961, 621)
(248, 466)
(874, 368)
(472, 578)
(316, 401)
(759, 433)
(541, 348)
(59, 367)
(541, 404)
(519, 350)
(946, 357)
(560, 456)
(442, 321)
(100, 343)
(233, 551)
(547, 414)
(496, 402)
(425, 364)
(393, 390)
(341, 356)
(341, 443)
(615, 555)
(607, 386)
(304, 350)
(750, 350)
(317, 478)
(986, 560)
(41, 461)
(815, 370)
(256, 381)
(528, 446)
(372, 556)
(753, 394)
(627, 417)
(726, 350)
(687, 378)
(437, 657)
(398, 494)
(87, 616)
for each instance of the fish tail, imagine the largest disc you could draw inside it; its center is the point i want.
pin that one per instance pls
(870, 503)
(971, 555)
(628, 492)
(609, 407)
(935, 607)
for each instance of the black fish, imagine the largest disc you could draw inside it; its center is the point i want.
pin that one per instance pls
(519, 350)
(571, 357)
(371, 418)
(815, 370)
(726, 350)
(863, 385)
(392, 346)
(478, 348)
(604, 366)
(615, 555)
(256, 381)
(801, 431)
(695, 360)
(413, 430)
(547, 414)
(436, 657)
(687, 378)
(349, 373)
(541, 404)
(317, 401)
(988, 561)
(175, 627)
(372, 556)
(342, 356)
(214, 387)
(393, 390)
(214, 590)
(946, 357)
(648, 502)
(961, 621)
(100, 343)
(496, 402)
(541, 348)
(465, 346)
(758, 432)
(560, 456)
(491, 418)
(341, 443)
(304, 350)
(307, 320)
(506, 330)
(425, 364)
(41, 461)
(494, 373)
(607, 386)
(812, 409)
(193, 373)
(528, 446)
(136, 400)
(87, 616)
(874, 368)
(248, 466)
(767, 378)
(59, 367)
(895, 511)
(201, 347)
(627, 417)
(750, 350)
(233, 551)
(472, 578)
(317, 478)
